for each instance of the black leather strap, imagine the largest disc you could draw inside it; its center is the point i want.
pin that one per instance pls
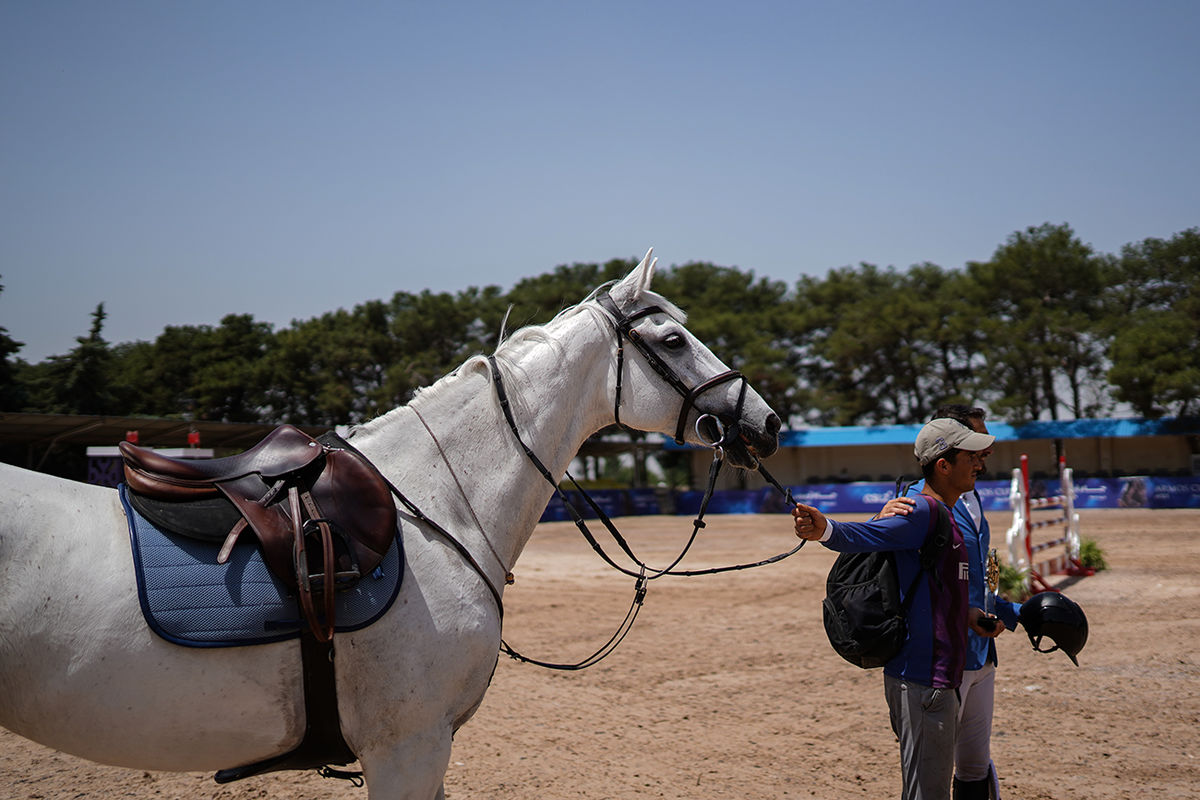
(624, 326)
(323, 743)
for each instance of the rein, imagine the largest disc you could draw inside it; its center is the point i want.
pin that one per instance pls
(727, 433)
(623, 324)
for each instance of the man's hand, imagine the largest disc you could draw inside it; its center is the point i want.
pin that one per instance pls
(984, 625)
(810, 523)
(897, 507)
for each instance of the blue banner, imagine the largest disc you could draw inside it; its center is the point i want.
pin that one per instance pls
(555, 511)
(845, 497)
(643, 502)
(993, 495)
(867, 498)
(728, 501)
(1097, 493)
(1173, 492)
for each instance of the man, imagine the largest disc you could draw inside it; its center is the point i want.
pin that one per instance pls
(974, 773)
(921, 681)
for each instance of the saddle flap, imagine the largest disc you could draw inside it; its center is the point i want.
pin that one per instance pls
(350, 492)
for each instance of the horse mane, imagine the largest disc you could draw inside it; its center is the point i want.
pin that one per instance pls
(510, 346)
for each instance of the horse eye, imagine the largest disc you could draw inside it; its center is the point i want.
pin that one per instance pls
(673, 342)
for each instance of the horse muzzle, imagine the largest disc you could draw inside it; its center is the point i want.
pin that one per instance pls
(744, 444)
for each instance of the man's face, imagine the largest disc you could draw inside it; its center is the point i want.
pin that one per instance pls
(978, 426)
(967, 466)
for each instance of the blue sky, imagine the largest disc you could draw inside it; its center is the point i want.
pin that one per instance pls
(179, 161)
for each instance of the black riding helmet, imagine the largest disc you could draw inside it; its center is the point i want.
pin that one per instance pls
(1055, 616)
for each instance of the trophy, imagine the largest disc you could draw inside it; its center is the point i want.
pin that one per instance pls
(992, 577)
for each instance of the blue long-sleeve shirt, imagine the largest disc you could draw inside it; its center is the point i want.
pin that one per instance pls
(934, 650)
(977, 536)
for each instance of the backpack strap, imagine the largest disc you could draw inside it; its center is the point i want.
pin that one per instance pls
(902, 486)
(936, 539)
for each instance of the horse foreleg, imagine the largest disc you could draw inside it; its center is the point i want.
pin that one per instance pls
(411, 770)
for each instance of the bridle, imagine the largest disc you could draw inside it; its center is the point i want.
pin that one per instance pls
(623, 324)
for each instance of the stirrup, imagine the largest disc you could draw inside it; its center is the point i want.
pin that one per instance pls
(344, 578)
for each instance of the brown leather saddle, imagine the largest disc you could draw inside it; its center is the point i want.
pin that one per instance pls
(323, 515)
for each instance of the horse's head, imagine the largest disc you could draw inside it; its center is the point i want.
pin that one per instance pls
(699, 399)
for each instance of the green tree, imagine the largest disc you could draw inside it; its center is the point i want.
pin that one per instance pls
(876, 344)
(156, 377)
(79, 382)
(197, 371)
(228, 369)
(1046, 327)
(536, 300)
(332, 369)
(347, 367)
(947, 332)
(434, 333)
(1155, 349)
(1039, 299)
(12, 391)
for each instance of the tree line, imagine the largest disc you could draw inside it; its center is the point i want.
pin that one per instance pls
(1045, 329)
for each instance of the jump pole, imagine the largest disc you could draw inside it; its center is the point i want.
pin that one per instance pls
(1021, 548)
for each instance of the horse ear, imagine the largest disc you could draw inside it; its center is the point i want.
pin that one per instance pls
(631, 287)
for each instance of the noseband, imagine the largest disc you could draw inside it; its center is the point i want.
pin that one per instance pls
(624, 325)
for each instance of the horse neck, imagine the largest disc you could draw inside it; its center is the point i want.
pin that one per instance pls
(451, 451)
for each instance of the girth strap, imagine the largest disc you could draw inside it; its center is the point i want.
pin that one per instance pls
(323, 743)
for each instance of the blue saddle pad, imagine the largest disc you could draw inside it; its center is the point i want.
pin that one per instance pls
(190, 599)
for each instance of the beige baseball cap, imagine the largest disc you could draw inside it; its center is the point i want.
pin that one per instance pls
(942, 435)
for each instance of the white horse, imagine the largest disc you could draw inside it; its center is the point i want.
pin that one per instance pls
(82, 673)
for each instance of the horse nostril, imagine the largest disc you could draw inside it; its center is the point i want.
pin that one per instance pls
(772, 424)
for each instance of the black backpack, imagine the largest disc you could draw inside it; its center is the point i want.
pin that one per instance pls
(865, 620)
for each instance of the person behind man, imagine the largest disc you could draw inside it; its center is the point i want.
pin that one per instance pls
(921, 681)
(974, 773)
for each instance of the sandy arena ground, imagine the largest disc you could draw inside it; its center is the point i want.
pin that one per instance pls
(726, 688)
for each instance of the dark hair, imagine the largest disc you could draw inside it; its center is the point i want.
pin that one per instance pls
(950, 455)
(959, 413)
